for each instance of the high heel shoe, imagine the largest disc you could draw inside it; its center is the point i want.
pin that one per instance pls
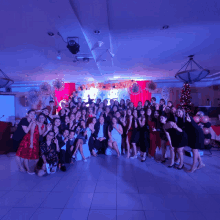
(171, 166)
(163, 161)
(191, 171)
(201, 166)
(143, 159)
(180, 168)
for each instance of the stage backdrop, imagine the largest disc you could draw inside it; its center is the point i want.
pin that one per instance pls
(65, 93)
(145, 95)
(112, 94)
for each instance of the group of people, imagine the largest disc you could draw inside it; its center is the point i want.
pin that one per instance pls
(52, 139)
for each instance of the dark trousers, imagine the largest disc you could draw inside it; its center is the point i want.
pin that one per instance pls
(91, 144)
(101, 146)
(65, 156)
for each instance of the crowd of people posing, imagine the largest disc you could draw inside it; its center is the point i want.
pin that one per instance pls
(80, 129)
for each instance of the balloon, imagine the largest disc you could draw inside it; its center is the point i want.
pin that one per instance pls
(206, 130)
(205, 119)
(206, 141)
(196, 119)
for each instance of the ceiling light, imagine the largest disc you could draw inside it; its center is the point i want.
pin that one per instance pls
(97, 32)
(165, 27)
(50, 34)
(90, 79)
(191, 75)
(5, 80)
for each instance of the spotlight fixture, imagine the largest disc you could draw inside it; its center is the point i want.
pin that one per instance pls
(50, 34)
(96, 32)
(72, 45)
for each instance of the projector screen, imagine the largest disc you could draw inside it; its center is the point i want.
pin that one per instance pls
(7, 109)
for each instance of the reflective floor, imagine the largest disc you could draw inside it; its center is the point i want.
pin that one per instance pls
(110, 188)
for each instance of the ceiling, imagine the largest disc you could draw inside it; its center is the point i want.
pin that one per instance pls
(135, 45)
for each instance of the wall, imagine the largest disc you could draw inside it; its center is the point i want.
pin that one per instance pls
(200, 92)
(199, 96)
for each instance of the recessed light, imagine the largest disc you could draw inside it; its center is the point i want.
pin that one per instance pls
(165, 27)
(97, 32)
(50, 34)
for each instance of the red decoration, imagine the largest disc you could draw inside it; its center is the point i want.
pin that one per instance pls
(69, 88)
(185, 100)
(205, 119)
(145, 95)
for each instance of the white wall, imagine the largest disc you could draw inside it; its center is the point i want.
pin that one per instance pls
(19, 90)
(7, 109)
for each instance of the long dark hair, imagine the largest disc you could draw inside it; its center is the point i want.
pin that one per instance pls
(40, 115)
(111, 125)
(149, 117)
(31, 110)
(157, 120)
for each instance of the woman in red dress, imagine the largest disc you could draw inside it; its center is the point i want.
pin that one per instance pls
(154, 134)
(29, 146)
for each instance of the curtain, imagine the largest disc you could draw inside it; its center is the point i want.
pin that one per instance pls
(143, 96)
(69, 88)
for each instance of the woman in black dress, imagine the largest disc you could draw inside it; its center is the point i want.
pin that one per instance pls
(164, 140)
(65, 125)
(177, 139)
(144, 135)
(135, 133)
(195, 141)
(23, 128)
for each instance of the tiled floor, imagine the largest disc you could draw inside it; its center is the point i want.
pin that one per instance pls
(111, 188)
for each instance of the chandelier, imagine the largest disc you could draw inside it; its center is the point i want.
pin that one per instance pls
(190, 74)
(5, 81)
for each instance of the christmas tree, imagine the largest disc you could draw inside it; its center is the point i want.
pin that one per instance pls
(185, 100)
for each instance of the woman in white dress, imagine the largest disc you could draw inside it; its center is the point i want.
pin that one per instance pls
(114, 132)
